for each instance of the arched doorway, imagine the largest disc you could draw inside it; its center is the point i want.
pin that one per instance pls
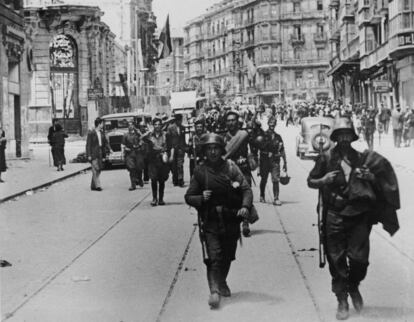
(64, 80)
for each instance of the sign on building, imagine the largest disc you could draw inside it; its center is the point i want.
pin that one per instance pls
(94, 93)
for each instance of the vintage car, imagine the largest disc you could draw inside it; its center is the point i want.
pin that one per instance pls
(315, 134)
(115, 126)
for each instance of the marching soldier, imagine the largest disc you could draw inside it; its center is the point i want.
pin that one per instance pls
(195, 147)
(271, 151)
(134, 155)
(144, 129)
(176, 145)
(237, 145)
(222, 197)
(351, 205)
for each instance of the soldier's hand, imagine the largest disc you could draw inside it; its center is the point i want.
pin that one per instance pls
(171, 159)
(89, 159)
(285, 167)
(330, 177)
(207, 195)
(243, 212)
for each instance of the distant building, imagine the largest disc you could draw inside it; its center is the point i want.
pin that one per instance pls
(170, 70)
(15, 56)
(265, 51)
(74, 67)
(373, 51)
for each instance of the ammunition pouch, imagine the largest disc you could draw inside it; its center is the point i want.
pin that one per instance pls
(336, 202)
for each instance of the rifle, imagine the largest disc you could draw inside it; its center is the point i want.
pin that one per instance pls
(201, 215)
(321, 217)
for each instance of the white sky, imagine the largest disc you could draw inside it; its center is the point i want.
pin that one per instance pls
(181, 11)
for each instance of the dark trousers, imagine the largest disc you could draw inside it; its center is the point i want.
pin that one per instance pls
(369, 137)
(177, 167)
(158, 187)
(145, 170)
(347, 244)
(221, 249)
(96, 172)
(397, 137)
(134, 161)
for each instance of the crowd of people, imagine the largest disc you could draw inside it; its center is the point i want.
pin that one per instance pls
(226, 144)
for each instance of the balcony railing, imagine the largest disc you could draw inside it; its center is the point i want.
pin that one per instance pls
(320, 38)
(303, 15)
(376, 56)
(305, 61)
(297, 40)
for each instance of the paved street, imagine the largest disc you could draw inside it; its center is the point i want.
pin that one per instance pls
(79, 255)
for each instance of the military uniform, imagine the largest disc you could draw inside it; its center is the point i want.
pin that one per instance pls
(221, 225)
(346, 179)
(195, 152)
(369, 126)
(271, 151)
(134, 157)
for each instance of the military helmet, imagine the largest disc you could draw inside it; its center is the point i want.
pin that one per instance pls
(343, 124)
(284, 178)
(212, 138)
(233, 112)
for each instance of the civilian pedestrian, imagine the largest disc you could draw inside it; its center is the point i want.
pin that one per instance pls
(3, 142)
(96, 149)
(58, 146)
(397, 125)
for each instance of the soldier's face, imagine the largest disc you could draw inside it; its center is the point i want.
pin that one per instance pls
(213, 152)
(199, 128)
(130, 126)
(344, 139)
(157, 126)
(232, 122)
(272, 126)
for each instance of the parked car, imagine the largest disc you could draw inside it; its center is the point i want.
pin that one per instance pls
(315, 132)
(115, 126)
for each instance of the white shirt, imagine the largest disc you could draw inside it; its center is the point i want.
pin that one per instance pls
(99, 137)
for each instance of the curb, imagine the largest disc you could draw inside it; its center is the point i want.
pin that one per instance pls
(43, 185)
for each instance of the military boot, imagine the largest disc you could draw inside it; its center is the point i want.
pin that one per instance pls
(224, 288)
(214, 300)
(356, 298)
(342, 312)
(213, 277)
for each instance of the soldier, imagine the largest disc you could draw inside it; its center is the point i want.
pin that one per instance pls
(237, 145)
(176, 145)
(157, 161)
(195, 148)
(144, 129)
(271, 151)
(351, 205)
(134, 155)
(222, 197)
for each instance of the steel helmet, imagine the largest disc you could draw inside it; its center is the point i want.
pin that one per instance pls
(212, 138)
(343, 124)
(284, 179)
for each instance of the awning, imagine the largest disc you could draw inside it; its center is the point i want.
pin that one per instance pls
(342, 67)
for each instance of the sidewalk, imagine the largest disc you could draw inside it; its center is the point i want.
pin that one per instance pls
(25, 175)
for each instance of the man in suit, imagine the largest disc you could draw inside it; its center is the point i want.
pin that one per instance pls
(177, 145)
(96, 145)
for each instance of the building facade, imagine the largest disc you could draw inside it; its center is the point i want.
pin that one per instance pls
(383, 51)
(14, 79)
(170, 70)
(264, 50)
(74, 67)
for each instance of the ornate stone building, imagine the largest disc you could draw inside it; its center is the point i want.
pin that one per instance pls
(170, 70)
(285, 43)
(74, 67)
(373, 51)
(14, 76)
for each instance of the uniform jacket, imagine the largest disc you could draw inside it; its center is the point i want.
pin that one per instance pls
(93, 149)
(221, 181)
(396, 120)
(272, 143)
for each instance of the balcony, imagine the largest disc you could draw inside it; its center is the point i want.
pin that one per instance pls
(320, 38)
(364, 17)
(377, 56)
(312, 61)
(249, 43)
(296, 40)
(348, 14)
(376, 17)
(303, 15)
(402, 45)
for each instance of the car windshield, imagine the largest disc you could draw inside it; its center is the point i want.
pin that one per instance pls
(319, 126)
(120, 123)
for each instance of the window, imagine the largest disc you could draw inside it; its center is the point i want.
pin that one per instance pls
(319, 5)
(321, 77)
(273, 10)
(274, 32)
(297, 31)
(319, 30)
(298, 78)
(296, 53)
(406, 4)
(296, 7)
(406, 21)
(265, 54)
(320, 52)
(168, 81)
